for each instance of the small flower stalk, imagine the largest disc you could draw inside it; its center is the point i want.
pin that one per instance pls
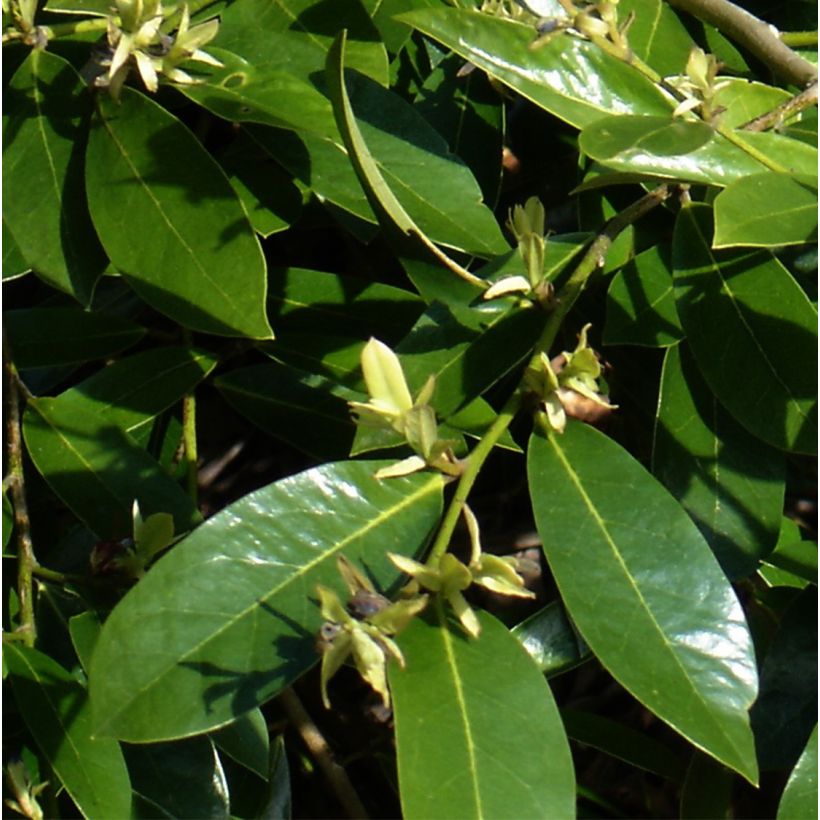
(451, 577)
(568, 385)
(136, 41)
(363, 629)
(699, 85)
(391, 407)
(527, 225)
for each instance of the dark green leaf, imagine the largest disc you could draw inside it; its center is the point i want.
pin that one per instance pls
(14, 264)
(304, 410)
(44, 337)
(795, 557)
(744, 100)
(707, 790)
(203, 265)
(799, 801)
(46, 111)
(477, 730)
(623, 553)
(746, 319)
(569, 77)
(656, 35)
(56, 710)
(786, 711)
(766, 209)
(641, 302)
(182, 779)
(244, 612)
(405, 166)
(729, 482)
(551, 640)
(621, 741)
(84, 630)
(246, 741)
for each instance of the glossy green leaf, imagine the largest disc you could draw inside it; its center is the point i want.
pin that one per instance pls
(306, 300)
(707, 790)
(551, 640)
(14, 265)
(799, 800)
(766, 210)
(243, 603)
(405, 166)
(657, 35)
(477, 730)
(785, 714)
(98, 470)
(569, 77)
(270, 198)
(45, 114)
(96, 8)
(44, 337)
(729, 482)
(56, 710)
(745, 318)
(302, 409)
(641, 302)
(618, 544)
(795, 557)
(619, 740)
(203, 266)
(742, 100)
(336, 358)
(246, 26)
(246, 741)
(666, 148)
(84, 630)
(182, 779)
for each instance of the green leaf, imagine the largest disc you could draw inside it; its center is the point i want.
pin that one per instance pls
(641, 302)
(302, 409)
(551, 640)
(84, 630)
(182, 779)
(621, 550)
(657, 35)
(569, 76)
(666, 148)
(729, 482)
(272, 201)
(46, 110)
(203, 266)
(406, 168)
(792, 557)
(746, 318)
(44, 337)
(246, 741)
(246, 27)
(98, 470)
(786, 710)
(56, 711)
(799, 800)
(477, 730)
(619, 740)
(766, 210)
(14, 265)
(244, 611)
(742, 100)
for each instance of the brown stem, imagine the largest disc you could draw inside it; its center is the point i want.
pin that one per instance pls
(784, 111)
(322, 754)
(16, 483)
(754, 35)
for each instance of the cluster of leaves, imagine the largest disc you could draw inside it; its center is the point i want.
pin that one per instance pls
(227, 229)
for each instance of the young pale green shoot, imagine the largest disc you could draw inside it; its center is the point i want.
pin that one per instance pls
(699, 85)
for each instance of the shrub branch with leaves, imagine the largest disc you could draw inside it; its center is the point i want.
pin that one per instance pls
(299, 293)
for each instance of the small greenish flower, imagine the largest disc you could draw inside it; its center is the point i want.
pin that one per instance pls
(559, 382)
(368, 637)
(135, 37)
(450, 577)
(699, 85)
(24, 799)
(391, 407)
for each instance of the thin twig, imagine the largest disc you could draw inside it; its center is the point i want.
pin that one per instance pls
(322, 754)
(753, 34)
(189, 438)
(22, 526)
(786, 110)
(798, 39)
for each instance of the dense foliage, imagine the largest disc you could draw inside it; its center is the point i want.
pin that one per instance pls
(411, 409)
